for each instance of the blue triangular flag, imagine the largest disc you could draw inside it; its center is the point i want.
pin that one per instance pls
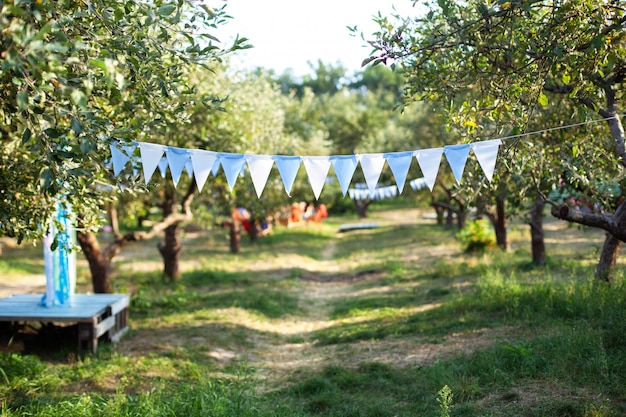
(344, 166)
(120, 154)
(232, 164)
(177, 159)
(399, 162)
(288, 168)
(163, 166)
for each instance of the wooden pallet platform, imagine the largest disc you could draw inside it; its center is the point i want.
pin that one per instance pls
(95, 314)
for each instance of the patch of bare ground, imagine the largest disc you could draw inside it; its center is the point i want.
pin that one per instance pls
(525, 400)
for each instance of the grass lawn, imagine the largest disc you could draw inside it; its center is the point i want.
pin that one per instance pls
(388, 321)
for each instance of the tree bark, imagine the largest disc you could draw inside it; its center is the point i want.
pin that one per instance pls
(537, 241)
(235, 235)
(499, 222)
(608, 258)
(362, 206)
(113, 218)
(170, 247)
(614, 223)
(99, 263)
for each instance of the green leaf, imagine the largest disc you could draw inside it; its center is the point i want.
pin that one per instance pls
(26, 135)
(543, 100)
(99, 64)
(76, 126)
(166, 10)
(22, 100)
(53, 133)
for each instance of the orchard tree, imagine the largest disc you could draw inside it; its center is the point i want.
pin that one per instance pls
(513, 56)
(75, 77)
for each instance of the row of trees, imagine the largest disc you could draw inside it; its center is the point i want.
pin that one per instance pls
(508, 67)
(76, 77)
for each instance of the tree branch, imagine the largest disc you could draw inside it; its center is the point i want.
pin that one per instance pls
(120, 241)
(612, 223)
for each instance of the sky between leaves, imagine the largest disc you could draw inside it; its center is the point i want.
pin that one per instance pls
(291, 34)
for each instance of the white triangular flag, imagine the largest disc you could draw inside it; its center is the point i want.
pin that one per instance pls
(260, 167)
(372, 165)
(232, 164)
(429, 161)
(120, 154)
(457, 157)
(150, 156)
(177, 159)
(399, 162)
(486, 153)
(203, 162)
(317, 169)
(344, 166)
(288, 168)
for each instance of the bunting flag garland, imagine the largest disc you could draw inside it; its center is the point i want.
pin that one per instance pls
(417, 184)
(200, 164)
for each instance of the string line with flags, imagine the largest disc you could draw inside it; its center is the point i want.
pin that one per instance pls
(199, 164)
(202, 163)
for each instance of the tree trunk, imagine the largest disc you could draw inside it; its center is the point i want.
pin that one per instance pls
(170, 250)
(170, 247)
(254, 231)
(450, 218)
(501, 224)
(608, 258)
(439, 212)
(537, 242)
(99, 262)
(361, 207)
(235, 235)
(461, 218)
(113, 220)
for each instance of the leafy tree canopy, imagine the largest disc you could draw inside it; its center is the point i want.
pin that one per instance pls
(77, 75)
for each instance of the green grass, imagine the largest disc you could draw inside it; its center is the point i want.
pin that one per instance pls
(507, 338)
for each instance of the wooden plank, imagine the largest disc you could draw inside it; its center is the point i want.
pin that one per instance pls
(81, 307)
(104, 326)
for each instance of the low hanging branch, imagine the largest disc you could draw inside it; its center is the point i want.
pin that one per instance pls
(614, 223)
(100, 259)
